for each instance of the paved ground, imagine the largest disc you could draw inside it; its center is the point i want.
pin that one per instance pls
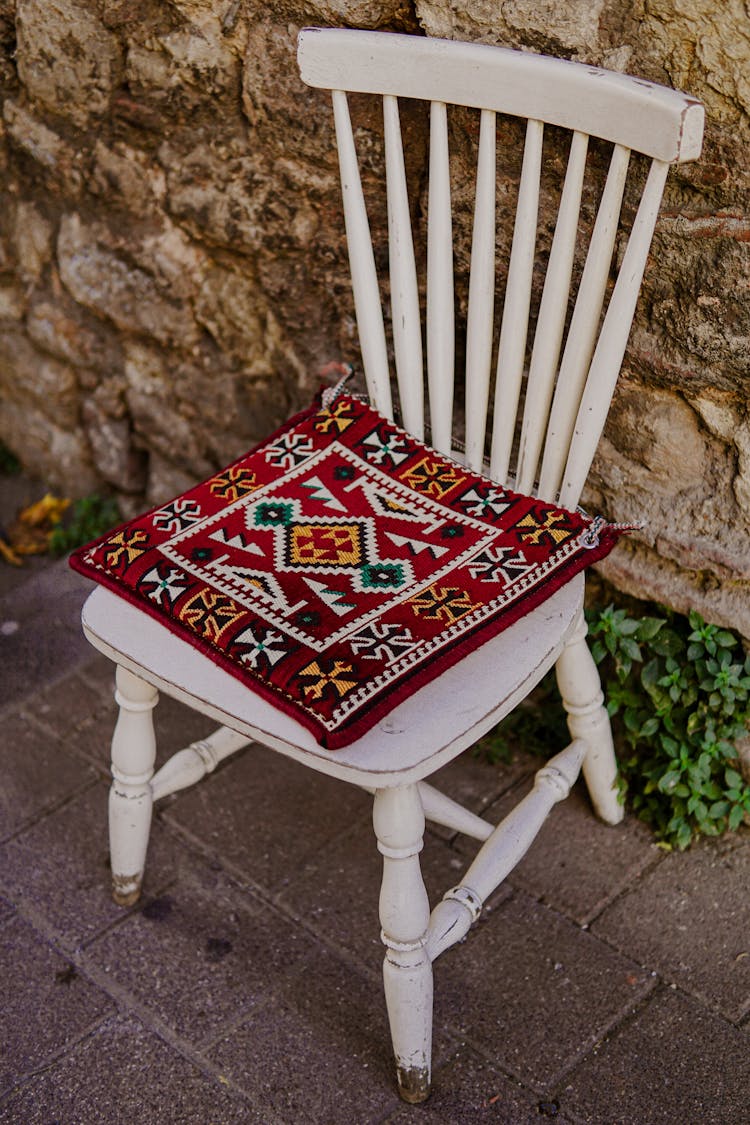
(608, 982)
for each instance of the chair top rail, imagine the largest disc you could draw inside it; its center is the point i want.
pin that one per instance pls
(662, 123)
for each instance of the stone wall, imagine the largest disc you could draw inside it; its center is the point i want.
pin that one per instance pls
(172, 274)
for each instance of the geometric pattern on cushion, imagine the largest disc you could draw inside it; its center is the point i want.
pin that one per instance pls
(342, 564)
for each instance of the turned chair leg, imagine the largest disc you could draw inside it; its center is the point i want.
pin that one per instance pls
(398, 819)
(130, 798)
(581, 691)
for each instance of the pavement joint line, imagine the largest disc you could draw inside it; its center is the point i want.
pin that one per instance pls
(55, 1056)
(650, 986)
(232, 1025)
(49, 810)
(68, 745)
(462, 1040)
(182, 1047)
(128, 1005)
(645, 1001)
(127, 912)
(620, 1018)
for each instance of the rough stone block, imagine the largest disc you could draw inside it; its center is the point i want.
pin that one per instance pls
(53, 155)
(78, 81)
(60, 330)
(47, 385)
(32, 240)
(134, 298)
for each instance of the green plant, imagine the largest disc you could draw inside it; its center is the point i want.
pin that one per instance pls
(86, 519)
(678, 690)
(10, 466)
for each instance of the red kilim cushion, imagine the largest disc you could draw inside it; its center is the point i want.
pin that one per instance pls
(342, 564)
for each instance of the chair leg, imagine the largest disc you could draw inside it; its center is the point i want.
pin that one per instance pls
(581, 691)
(404, 915)
(130, 798)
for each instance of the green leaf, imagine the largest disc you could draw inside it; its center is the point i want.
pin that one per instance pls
(736, 817)
(694, 723)
(668, 782)
(630, 648)
(648, 627)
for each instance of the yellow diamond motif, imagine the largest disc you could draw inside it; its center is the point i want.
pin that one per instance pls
(327, 544)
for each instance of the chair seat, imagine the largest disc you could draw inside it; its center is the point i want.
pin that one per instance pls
(421, 734)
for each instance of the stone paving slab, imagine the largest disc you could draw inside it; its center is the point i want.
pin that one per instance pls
(336, 892)
(203, 954)
(37, 773)
(318, 1051)
(72, 704)
(123, 1074)
(535, 991)
(45, 1004)
(690, 920)
(257, 941)
(40, 631)
(266, 814)
(468, 1089)
(58, 870)
(674, 1062)
(577, 864)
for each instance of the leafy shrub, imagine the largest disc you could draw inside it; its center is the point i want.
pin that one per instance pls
(679, 692)
(86, 519)
(10, 466)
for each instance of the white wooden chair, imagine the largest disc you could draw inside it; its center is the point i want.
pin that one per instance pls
(575, 360)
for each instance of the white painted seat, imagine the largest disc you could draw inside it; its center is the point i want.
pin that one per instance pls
(569, 376)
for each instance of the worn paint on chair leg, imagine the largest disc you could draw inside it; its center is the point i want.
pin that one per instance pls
(404, 915)
(130, 799)
(581, 690)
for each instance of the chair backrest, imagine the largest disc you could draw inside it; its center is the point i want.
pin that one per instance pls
(577, 351)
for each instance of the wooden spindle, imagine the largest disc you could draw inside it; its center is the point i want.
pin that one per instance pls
(613, 339)
(130, 799)
(579, 345)
(398, 820)
(551, 319)
(440, 315)
(405, 315)
(362, 263)
(515, 320)
(481, 295)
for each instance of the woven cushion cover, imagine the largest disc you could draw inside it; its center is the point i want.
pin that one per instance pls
(342, 564)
